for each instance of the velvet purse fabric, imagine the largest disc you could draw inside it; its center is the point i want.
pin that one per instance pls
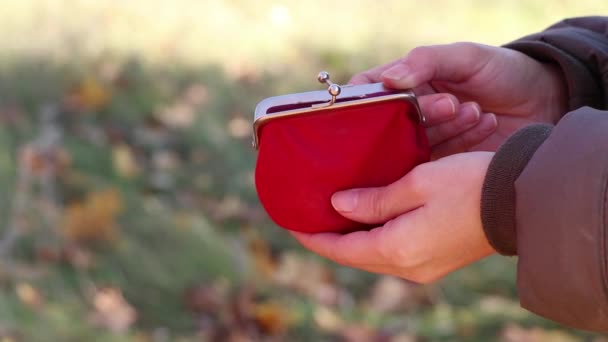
(304, 159)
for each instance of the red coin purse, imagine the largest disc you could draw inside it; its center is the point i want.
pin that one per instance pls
(312, 144)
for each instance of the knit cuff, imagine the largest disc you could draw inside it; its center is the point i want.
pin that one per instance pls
(498, 192)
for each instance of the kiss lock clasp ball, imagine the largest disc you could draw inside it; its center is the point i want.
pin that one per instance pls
(333, 89)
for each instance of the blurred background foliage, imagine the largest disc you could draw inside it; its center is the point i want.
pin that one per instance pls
(128, 210)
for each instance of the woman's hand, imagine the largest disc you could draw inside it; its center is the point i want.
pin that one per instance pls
(432, 216)
(449, 120)
(515, 87)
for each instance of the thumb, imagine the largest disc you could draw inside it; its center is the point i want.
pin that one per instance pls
(453, 62)
(377, 205)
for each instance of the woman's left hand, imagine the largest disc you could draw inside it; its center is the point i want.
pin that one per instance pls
(433, 224)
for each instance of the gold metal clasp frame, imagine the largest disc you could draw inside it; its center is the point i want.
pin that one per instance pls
(333, 89)
(313, 101)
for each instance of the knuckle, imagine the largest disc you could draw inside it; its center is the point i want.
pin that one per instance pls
(417, 180)
(404, 257)
(386, 246)
(398, 252)
(423, 51)
(462, 143)
(408, 255)
(422, 274)
(333, 255)
(473, 51)
(401, 258)
(376, 202)
(362, 77)
(383, 246)
(467, 47)
(445, 129)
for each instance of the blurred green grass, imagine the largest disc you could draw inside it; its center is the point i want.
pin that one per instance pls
(154, 100)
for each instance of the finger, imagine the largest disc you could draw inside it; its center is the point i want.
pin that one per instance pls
(453, 62)
(380, 250)
(371, 75)
(463, 142)
(381, 204)
(438, 108)
(424, 89)
(468, 115)
(351, 249)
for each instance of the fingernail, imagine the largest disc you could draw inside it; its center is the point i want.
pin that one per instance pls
(471, 114)
(444, 104)
(490, 123)
(396, 73)
(345, 201)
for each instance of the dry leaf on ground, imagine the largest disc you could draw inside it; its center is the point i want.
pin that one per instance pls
(89, 94)
(308, 276)
(112, 311)
(94, 219)
(391, 294)
(124, 161)
(272, 318)
(29, 295)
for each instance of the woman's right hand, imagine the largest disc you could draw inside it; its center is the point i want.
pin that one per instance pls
(516, 88)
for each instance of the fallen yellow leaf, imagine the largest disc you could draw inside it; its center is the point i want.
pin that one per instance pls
(112, 310)
(91, 94)
(95, 218)
(29, 295)
(124, 161)
(273, 318)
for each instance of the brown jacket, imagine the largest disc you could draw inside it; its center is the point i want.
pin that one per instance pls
(545, 196)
